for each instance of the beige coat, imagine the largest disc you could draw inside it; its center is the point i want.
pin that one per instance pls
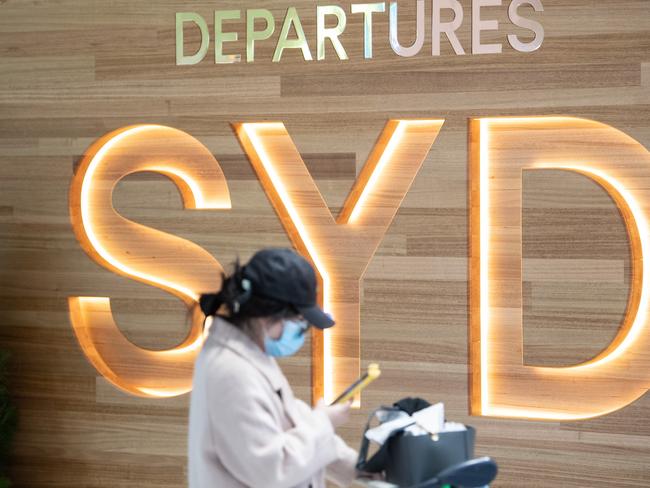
(247, 429)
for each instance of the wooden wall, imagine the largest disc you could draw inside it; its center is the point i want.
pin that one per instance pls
(71, 71)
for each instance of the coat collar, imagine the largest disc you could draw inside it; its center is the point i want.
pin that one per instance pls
(228, 335)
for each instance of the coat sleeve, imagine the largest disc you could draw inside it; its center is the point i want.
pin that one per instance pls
(254, 448)
(342, 471)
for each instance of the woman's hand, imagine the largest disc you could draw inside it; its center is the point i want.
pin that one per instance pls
(338, 414)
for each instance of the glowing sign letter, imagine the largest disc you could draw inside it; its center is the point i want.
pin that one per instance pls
(502, 386)
(340, 249)
(142, 253)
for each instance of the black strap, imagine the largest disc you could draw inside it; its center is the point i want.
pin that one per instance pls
(378, 460)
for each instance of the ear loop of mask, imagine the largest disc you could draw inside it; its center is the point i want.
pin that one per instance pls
(304, 330)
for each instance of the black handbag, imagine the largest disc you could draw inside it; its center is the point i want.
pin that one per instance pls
(409, 460)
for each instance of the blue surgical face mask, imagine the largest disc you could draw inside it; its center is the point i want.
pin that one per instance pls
(291, 340)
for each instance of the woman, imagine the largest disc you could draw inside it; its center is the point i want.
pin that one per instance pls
(246, 427)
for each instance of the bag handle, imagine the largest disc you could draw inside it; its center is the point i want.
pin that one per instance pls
(362, 460)
(365, 443)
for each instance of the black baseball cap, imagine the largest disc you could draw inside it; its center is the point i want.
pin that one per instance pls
(284, 275)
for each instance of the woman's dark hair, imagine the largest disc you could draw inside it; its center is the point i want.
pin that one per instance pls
(240, 301)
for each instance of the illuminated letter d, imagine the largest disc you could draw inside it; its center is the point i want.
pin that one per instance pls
(502, 386)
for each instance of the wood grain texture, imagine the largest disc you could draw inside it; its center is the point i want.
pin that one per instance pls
(502, 385)
(72, 71)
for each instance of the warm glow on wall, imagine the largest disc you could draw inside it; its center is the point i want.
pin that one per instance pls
(340, 248)
(142, 253)
(502, 386)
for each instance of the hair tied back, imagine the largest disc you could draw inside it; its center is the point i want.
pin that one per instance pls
(210, 303)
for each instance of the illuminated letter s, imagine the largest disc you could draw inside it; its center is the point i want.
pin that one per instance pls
(502, 386)
(142, 253)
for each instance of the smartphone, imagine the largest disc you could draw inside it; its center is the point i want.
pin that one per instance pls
(368, 377)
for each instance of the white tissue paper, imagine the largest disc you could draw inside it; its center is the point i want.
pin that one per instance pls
(430, 420)
(383, 431)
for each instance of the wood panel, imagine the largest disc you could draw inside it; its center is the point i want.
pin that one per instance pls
(72, 71)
